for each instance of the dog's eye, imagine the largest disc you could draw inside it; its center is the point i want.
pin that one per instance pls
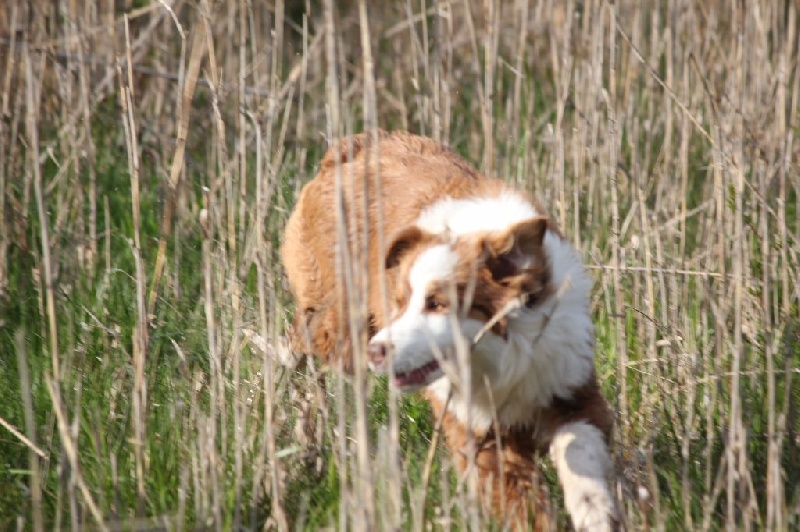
(433, 304)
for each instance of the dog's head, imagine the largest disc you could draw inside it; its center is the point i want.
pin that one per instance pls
(458, 292)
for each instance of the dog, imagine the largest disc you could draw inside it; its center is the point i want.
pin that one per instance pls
(476, 299)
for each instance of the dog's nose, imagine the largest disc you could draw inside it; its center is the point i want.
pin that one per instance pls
(376, 353)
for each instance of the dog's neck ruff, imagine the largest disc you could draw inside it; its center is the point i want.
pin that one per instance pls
(548, 352)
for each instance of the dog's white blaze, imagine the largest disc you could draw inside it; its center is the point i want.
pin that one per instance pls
(434, 264)
(416, 335)
(580, 455)
(473, 215)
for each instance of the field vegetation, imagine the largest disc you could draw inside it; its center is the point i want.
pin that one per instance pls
(151, 150)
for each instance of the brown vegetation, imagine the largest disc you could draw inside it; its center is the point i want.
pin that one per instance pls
(150, 153)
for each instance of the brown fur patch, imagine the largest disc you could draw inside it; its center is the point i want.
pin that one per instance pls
(507, 458)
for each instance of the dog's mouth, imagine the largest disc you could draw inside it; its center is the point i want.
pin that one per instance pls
(417, 378)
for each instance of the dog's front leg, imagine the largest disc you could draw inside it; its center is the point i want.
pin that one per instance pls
(581, 457)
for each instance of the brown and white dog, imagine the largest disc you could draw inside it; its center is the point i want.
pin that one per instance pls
(488, 314)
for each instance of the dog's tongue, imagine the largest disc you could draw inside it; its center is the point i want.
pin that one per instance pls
(415, 377)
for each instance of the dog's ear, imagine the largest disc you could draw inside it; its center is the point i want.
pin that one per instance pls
(513, 251)
(402, 243)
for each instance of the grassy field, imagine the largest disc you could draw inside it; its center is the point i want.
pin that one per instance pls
(150, 152)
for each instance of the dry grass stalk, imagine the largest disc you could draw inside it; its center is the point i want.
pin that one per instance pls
(30, 428)
(71, 452)
(32, 94)
(189, 84)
